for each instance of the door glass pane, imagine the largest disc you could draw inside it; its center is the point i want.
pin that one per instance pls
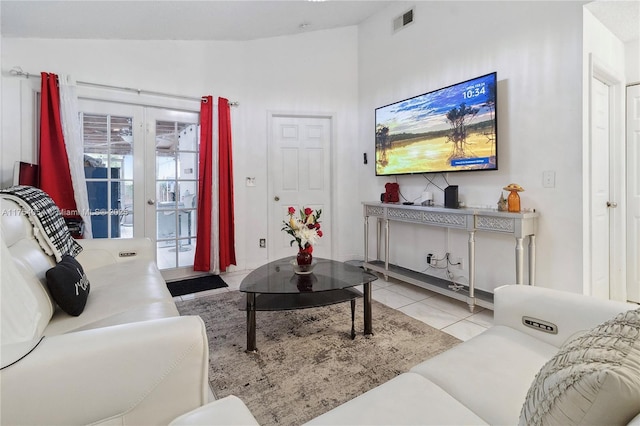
(108, 166)
(176, 192)
(165, 164)
(188, 164)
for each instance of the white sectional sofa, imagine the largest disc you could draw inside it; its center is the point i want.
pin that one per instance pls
(128, 358)
(487, 379)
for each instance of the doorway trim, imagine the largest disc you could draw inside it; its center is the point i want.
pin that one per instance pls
(617, 183)
(332, 169)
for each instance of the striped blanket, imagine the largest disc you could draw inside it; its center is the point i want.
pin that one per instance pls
(49, 227)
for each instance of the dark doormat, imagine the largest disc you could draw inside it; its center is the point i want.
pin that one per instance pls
(194, 285)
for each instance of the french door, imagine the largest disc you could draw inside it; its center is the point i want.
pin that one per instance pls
(172, 186)
(141, 166)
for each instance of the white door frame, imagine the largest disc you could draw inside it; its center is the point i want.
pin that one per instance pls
(617, 180)
(332, 172)
(633, 243)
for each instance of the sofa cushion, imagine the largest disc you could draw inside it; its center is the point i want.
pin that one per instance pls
(408, 399)
(69, 285)
(127, 292)
(593, 379)
(502, 363)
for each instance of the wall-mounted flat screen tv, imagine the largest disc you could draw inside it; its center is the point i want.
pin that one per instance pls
(448, 130)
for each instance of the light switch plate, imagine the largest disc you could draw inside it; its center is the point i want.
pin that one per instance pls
(549, 179)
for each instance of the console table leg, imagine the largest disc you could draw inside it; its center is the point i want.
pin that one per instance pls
(366, 239)
(251, 322)
(353, 319)
(519, 261)
(532, 260)
(368, 328)
(472, 270)
(378, 238)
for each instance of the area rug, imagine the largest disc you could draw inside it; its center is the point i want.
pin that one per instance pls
(195, 285)
(306, 362)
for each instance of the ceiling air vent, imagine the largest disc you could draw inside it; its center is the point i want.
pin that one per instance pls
(403, 20)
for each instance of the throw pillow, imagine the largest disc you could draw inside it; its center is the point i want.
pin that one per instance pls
(68, 285)
(593, 379)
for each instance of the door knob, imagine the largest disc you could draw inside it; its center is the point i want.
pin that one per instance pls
(276, 198)
(151, 202)
(612, 204)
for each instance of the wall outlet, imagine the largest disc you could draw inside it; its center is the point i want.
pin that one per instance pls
(263, 242)
(458, 262)
(431, 259)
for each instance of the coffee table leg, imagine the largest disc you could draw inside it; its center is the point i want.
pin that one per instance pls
(353, 319)
(251, 322)
(368, 328)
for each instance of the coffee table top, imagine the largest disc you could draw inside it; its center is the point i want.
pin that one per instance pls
(277, 277)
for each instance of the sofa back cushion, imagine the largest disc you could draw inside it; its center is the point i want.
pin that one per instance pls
(593, 379)
(27, 306)
(25, 312)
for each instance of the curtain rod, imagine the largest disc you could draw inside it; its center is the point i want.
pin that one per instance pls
(18, 72)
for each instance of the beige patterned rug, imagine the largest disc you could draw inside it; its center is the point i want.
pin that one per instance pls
(306, 362)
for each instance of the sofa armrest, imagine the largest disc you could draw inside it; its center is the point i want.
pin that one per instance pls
(226, 411)
(635, 421)
(100, 252)
(141, 373)
(570, 313)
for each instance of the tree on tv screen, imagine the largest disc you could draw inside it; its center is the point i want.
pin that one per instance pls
(458, 120)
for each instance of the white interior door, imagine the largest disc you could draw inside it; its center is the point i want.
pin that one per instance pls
(633, 193)
(600, 225)
(299, 177)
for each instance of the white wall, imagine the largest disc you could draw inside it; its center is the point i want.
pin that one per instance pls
(632, 54)
(535, 48)
(312, 72)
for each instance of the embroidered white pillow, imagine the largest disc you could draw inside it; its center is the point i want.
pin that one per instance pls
(593, 379)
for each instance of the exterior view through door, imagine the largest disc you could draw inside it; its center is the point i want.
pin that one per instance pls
(141, 167)
(176, 191)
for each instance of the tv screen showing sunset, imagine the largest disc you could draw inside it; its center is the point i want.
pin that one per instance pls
(450, 129)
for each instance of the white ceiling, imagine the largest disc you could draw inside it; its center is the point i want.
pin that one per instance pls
(178, 20)
(223, 20)
(621, 17)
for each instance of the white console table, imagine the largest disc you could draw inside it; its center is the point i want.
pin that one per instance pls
(519, 225)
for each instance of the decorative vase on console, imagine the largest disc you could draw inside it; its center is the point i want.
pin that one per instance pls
(513, 200)
(305, 230)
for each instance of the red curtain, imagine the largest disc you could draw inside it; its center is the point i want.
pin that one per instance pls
(55, 177)
(225, 188)
(202, 259)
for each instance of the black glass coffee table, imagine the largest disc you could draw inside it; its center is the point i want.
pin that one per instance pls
(276, 287)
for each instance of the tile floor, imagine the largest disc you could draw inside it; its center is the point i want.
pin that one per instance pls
(441, 312)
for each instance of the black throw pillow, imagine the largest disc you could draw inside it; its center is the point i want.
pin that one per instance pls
(68, 285)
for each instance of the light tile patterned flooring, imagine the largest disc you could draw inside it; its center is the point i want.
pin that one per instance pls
(441, 312)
